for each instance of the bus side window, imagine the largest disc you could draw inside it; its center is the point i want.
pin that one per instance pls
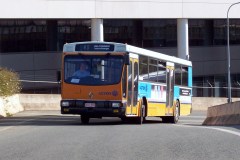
(124, 81)
(185, 76)
(143, 68)
(161, 72)
(178, 74)
(153, 70)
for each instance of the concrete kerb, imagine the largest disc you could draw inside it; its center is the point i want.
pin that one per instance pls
(225, 114)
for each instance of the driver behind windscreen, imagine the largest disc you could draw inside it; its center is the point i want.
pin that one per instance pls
(83, 71)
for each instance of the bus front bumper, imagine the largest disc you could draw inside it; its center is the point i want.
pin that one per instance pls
(93, 109)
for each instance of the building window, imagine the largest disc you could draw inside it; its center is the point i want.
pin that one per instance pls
(196, 32)
(22, 35)
(73, 31)
(159, 33)
(120, 31)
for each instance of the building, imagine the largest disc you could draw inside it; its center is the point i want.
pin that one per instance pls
(32, 34)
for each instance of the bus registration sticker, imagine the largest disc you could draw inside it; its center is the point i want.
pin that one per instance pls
(75, 80)
(90, 105)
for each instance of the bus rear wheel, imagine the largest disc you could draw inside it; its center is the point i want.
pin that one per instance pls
(85, 119)
(175, 117)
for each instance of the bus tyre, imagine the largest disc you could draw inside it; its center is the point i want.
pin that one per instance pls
(124, 119)
(85, 119)
(142, 115)
(176, 115)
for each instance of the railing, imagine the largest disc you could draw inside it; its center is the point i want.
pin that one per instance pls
(214, 91)
(54, 87)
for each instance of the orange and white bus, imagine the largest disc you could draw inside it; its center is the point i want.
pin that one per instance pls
(124, 81)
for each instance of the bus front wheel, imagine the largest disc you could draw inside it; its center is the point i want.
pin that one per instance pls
(142, 115)
(85, 119)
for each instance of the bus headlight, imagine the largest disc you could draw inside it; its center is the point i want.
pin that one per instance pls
(116, 104)
(65, 104)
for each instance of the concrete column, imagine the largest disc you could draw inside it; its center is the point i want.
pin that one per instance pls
(182, 38)
(97, 30)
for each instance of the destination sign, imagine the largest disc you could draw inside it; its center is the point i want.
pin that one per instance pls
(185, 92)
(95, 47)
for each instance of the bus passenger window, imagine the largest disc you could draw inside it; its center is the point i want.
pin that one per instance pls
(153, 73)
(124, 82)
(184, 76)
(143, 68)
(161, 72)
(153, 70)
(178, 74)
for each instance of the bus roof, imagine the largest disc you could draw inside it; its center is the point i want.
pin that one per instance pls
(108, 47)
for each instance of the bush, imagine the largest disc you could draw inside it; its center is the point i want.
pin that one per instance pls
(9, 83)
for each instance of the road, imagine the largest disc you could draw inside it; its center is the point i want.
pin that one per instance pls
(33, 135)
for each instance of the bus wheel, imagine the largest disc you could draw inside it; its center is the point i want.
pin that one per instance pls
(175, 118)
(124, 119)
(142, 115)
(85, 119)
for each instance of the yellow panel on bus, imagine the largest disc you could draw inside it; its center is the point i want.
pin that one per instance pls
(156, 109)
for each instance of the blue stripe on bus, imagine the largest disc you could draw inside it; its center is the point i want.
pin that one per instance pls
(176, 92)
(144, 90)
(189, 76)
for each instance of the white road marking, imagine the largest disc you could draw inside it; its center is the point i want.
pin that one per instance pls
(15, 125)
(192, 116)
(213, 128)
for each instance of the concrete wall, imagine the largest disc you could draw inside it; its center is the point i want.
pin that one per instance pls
(117, 9)
(39, 102)
(52, 102)
(225, 114)
(10, 105)
(202, 103)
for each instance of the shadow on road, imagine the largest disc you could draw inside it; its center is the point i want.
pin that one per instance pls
(62, 120)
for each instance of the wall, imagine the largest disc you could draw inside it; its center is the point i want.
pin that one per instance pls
(10, 105)
(202, 103)
(34, 66)
(38, 102)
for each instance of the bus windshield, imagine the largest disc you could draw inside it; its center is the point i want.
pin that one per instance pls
(93, 69)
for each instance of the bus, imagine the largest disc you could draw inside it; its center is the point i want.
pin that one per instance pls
(124, 81)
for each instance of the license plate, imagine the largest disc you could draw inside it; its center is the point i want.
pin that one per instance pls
(115, 111)
(90, 105)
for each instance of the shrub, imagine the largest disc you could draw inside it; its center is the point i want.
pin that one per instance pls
(9, 83)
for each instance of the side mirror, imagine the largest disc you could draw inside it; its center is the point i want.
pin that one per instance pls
(58, 76)
(126, 59)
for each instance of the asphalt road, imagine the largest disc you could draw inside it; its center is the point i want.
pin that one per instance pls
(50, 136)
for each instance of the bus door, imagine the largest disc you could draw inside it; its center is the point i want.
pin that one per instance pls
(132, 94)
(170, 87)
